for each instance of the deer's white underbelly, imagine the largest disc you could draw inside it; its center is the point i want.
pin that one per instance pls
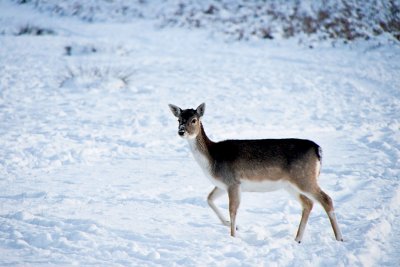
(261, 186)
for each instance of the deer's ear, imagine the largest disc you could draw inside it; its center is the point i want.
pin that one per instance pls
(175, 110)
(200, 109)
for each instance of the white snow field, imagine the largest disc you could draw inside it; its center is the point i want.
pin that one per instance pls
(93, 173)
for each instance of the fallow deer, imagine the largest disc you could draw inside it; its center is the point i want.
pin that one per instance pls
(236, 166)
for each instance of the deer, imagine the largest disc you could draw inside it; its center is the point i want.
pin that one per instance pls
(259, 165)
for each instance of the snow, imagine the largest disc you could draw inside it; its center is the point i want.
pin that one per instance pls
(92, 171)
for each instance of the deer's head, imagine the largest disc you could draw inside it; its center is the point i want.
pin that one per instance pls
(189, 120)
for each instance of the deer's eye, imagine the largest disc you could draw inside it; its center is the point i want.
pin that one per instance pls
(194, 121)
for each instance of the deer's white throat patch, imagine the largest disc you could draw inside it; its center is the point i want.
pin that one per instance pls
(204, 163)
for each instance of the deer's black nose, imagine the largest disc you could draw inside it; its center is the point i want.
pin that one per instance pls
(181, 132)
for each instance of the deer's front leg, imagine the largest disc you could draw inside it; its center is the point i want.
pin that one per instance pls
(216, 193)
(234, 201)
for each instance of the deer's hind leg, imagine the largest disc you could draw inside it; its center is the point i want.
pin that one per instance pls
(327, 204)
(307, 205)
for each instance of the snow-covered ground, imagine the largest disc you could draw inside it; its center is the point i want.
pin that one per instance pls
(92, 171)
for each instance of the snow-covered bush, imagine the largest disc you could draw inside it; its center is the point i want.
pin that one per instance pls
(242, 20)
(97, 78)
(90, 10)
(346, 19)
(30, 29)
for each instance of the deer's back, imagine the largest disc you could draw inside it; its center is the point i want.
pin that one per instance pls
(266, 152)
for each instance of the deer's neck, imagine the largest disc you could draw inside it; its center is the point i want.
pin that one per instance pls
(200, 147)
